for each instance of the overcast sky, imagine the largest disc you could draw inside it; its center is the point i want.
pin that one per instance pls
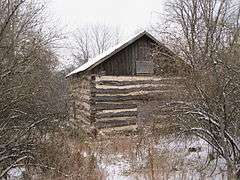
(129, 15)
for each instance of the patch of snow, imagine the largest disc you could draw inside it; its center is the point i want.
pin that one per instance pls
(16, 173)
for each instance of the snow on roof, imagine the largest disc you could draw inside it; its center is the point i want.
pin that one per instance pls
(91, 63)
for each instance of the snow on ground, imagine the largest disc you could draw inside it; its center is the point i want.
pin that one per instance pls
(15, 173)
(172, 159)
(175, 159)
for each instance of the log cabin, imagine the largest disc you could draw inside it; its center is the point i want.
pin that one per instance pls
(108, 91)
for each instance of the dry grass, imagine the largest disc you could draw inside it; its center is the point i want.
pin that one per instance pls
(141, 156)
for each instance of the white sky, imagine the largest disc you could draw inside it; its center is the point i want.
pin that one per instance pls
(129, 15)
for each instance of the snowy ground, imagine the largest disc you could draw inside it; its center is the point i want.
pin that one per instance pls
(16, 174)
(171, 159)
(135, 158)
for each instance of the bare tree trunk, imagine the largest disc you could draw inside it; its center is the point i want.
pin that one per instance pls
(205, 33)
(91, 40)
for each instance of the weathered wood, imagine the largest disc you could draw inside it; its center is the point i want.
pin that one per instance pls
(130, 118)
(110, 105)
(137, 82)
(123, 62)
(147, 95)
(117, 114)
(136, 78)
(117, 98)
(136, 89)
(79, 97)
(112, 88)
(92, 100)
(115, 123)
(114, 101)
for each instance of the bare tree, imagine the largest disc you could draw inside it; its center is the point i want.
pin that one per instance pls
(29, 106)
(91, 40)
(205, 33)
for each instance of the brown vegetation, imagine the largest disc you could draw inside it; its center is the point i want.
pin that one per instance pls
(205, 34)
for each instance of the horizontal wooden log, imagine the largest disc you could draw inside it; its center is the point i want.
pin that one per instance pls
(134, 78)
(115, 111)
(124, 83)
(116, 118)
(117, 98)
(135, 89)
(115, 123)
(111, 105)
(147, 95)
(117, 114)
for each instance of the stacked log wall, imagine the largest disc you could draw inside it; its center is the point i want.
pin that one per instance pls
(80, 99)
(119, 100)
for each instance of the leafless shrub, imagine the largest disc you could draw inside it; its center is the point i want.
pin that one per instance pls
(205, 34)
(31, 106)
(91, 40)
